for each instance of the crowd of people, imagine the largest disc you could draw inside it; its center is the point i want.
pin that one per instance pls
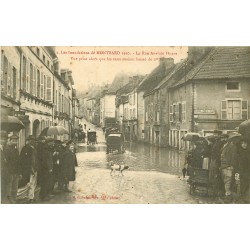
(227, 159)
(46, 162)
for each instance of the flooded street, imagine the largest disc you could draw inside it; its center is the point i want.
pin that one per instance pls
(138, 156)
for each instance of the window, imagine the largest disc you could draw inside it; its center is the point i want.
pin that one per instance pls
(158, 116)
(171, 113)
(31, 79)
(5, 75)
(34, 82)
(48, 63)
(24, 74)
(27, 76)
(183, 111)
(234, 109)
(38, 84)
(42, 87)
(180, 112)
(38, 51)
(14, 81)
(44, 58)
(174, 112)
(9, 72)
(233, 86)
(49, 89)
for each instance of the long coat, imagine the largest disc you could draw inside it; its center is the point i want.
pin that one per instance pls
(28, 163)
(68, 164)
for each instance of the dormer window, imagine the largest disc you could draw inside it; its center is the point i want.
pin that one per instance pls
(233, 86)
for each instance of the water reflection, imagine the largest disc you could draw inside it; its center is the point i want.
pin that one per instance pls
(137, 156)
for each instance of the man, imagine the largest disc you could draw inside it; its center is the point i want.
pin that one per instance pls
(29, 167)
(69, 162)
(13, 167)
(229, 161)
(46, 169)
(4, 172)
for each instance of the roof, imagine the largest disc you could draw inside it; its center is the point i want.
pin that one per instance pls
(148, 83)
(221, 63)
(156, 76)
(176, 73)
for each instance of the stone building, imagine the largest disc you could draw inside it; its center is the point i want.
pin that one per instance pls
(216, 93)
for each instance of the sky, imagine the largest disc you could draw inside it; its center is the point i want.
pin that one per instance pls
(98, 65)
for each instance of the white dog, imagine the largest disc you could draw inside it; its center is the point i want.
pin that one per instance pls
(115, 167)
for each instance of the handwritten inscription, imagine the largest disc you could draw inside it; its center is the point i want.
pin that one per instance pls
(95, 197)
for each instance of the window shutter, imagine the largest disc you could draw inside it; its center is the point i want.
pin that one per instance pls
(44, 87)
(9, 79)
(171, 113)
(49, 89)
(27, 76)
(2, 72)
(34, 83)
(223, 110)
(38, 83)
(183, 112)
(180, 112)
(244, 110)
(42, 91)
(31, 78)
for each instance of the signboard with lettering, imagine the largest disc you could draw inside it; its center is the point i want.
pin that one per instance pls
(204, 112)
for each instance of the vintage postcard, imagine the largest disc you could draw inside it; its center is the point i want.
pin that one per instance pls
(125, 125)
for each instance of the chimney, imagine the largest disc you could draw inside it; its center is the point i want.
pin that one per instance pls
(197, 53)
(167, 62)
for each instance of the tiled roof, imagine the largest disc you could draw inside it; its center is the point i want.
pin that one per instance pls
(221, 62)
(226, 62)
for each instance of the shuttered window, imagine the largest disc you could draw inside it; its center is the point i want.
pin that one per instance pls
(27, 77)
(38, 83)
(14, 82)
(24, 73)
(5, 75)
(244, 109)
(2, 72)
(31, 79)
(35, 83)
(223, 110)
(234, 109)
(9, 72)
(49, 89)
(171, 118)
(183, 111)
(42, 87)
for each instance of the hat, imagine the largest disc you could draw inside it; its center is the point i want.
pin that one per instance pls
(69, 142)
(234, 136)
(41, 138)
(31, 137)
(15, 137)
(4, 134)
(224, 136)
(49, 140)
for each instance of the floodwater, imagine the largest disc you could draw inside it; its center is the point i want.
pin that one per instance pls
(138, 156)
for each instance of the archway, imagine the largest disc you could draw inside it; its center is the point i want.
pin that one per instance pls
(36, 128)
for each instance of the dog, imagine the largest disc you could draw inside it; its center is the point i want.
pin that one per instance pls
(115, 167)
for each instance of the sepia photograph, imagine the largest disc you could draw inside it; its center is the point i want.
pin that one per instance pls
(125, 125)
